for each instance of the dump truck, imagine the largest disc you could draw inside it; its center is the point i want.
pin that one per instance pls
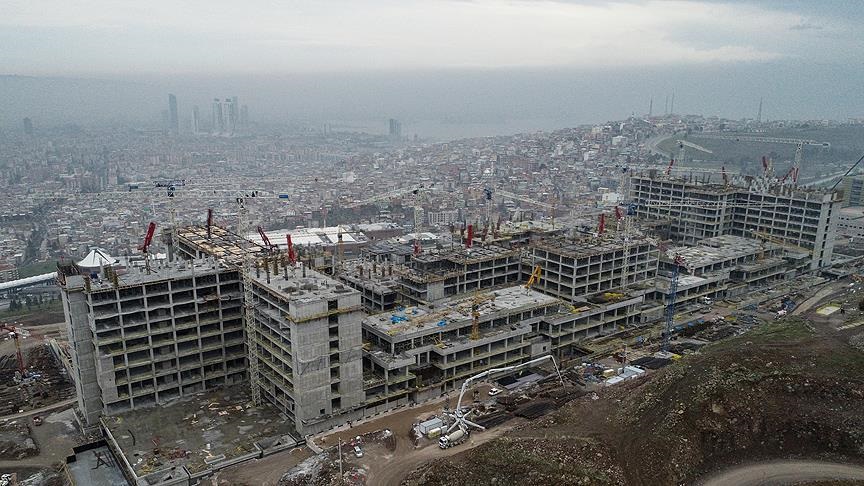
(456, 437)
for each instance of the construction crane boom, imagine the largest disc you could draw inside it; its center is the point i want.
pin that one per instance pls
(459, 416)
(535, 277)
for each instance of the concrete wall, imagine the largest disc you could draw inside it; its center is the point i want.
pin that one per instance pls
(83, 353)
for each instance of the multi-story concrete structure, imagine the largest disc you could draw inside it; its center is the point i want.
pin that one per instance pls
(574, 269)
(851, 222)
(378, 288)
(853, 190)
(721, 267)
(437, 275)
(308, 347)
(421, 351)
(140, 339)
(799, 217)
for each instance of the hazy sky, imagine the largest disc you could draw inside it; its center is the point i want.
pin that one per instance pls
(445, 68)
(107, 37)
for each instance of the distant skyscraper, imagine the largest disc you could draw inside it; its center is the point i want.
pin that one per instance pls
(395, 128)
(229, 111)
(218, 121)
(244, 117)
(28, 126)
(196, 120)
(174, 122)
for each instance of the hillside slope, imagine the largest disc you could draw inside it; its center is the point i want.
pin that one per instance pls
(783, 390)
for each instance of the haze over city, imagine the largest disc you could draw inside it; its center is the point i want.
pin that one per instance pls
(486, 67)
(431, 243)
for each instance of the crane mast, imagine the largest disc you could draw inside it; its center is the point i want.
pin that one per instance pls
(670, 307)
(249, 306)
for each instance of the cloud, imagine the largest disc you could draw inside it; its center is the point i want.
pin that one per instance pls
(806, 26)
(100, 36)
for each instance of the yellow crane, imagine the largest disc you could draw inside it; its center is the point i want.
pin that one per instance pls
(535, 277)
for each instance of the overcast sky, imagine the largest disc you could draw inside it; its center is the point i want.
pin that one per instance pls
(107, 37)
(445, 68)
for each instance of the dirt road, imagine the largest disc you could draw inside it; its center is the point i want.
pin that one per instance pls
(393, 470)
(784, 472)
(45, 409)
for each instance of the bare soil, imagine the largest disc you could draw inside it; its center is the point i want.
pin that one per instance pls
(783, 390)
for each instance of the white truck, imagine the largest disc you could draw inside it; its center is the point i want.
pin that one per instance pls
(456, 437)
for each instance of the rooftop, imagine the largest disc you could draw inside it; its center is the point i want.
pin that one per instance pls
(587, 245)
(222, 243)
(293, 286)
(459, 254)
(422, 319)
(719, 249)
(160, 271)
(311, 236)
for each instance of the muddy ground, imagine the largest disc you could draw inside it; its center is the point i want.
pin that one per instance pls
(786, 389)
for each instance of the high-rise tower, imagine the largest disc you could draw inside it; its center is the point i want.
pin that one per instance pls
(173, 121)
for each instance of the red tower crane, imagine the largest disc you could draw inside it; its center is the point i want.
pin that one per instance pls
(292, 257)
(470, 236)
(145, 246)
(264, 238)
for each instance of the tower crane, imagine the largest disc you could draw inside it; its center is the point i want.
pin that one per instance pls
(682, 144)
(534, 278)
(249, 301)
(145, 246)
(678, 262)
(509, 195)
(799, 147)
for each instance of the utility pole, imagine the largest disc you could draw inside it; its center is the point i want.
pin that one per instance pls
(340, 460)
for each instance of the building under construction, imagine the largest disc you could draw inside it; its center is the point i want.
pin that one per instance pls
(721, 267)
(440, 274)
(574, 269)
(799, 218)
(307, 345)
(142, 338)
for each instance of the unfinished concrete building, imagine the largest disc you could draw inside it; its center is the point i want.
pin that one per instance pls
(574, 269)
(379, 289)
(721, 267)
(140, 339)
(437, 275)
(792, 216)
(421, 351)
(308, 347)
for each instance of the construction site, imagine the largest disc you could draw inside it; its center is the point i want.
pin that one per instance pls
(358, 359)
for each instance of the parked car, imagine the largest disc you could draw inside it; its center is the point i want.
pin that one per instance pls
(358, 452)
(494, 392)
